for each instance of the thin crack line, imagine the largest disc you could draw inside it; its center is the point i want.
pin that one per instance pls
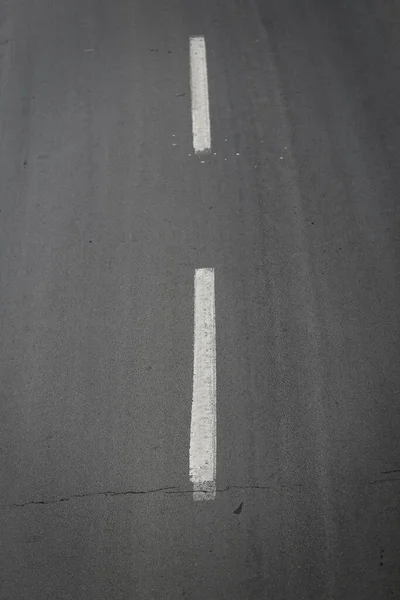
(87, 495)
(165, 490)
(388, 479)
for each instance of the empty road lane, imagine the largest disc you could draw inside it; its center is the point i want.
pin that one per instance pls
(199, 263)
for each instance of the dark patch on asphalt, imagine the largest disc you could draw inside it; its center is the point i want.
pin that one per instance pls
(239, 509)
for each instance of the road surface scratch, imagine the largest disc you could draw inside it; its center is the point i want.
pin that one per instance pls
(162, 490)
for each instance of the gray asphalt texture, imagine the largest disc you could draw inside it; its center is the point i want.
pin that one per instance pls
(103, 221)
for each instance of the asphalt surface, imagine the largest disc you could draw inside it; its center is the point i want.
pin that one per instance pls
(105, 214)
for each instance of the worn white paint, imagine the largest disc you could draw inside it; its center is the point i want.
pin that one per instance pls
(199, 91)
(203, 430)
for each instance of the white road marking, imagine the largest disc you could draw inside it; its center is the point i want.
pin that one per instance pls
(203, 430)
(199, 90)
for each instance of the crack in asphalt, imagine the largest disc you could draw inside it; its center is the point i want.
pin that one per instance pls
(86, 495)
(387, 480)
(170, 490)
(165, 490)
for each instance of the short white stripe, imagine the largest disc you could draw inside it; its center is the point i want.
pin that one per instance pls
(199, 90)
(203, 430)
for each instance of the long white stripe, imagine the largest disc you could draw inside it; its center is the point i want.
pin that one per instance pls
(203, 430)
(199, 89)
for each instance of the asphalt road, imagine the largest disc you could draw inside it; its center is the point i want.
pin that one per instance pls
(106, 212)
